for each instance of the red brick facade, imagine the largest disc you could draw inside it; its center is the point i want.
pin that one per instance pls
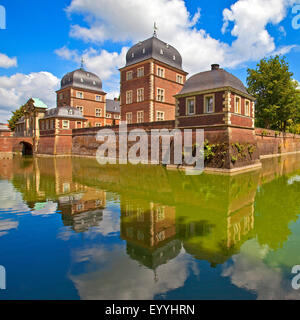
(86, 100)
(151, 105)
(229, 109)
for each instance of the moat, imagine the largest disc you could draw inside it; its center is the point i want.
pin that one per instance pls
(72, 229)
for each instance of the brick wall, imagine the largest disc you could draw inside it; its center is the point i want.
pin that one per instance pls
(271, 142)
(88, 102)
(150, 82)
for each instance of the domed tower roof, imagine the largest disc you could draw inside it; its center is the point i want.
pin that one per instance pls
(215, 79)
(82, 79)
(156, 49)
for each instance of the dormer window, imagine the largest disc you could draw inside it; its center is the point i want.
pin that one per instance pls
(144, 50)
(81, 80)
(174, 58)
(132, 55)
(161, 51)
(94, 83)
(71, 112)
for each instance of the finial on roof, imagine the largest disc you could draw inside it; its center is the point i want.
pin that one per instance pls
(155, 30)
(82, 63)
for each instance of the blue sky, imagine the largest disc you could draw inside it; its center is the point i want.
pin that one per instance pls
(44, 40)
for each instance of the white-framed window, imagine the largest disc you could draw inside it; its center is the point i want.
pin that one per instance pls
(52, 124)
(140, 116)
(129, 75)
(108, 115)
(237, 105)
(98, 113)
(247, 108)
(129, 97)
(209, 103)
(140, 216)
(161, 72)
(161, 236)
(80, 108)
(66, 187)
(80, 207)
(79, 95)
(65, 124)
(129, 117)
(190, 106)
(179, 78)
(117, 116)
(98, 124)
(140, 72)
(140, 95)
(160, 116)
(160, 214)
(160, 94)
(98, 98)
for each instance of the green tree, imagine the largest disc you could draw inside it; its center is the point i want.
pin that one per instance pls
(17, 115)
(277, 97)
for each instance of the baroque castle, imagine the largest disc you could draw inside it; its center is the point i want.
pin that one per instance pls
(154, 94)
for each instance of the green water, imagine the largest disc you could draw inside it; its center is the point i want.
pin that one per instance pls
(72, 229)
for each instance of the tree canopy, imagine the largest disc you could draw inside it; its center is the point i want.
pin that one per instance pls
(17, 115)
(276, 93)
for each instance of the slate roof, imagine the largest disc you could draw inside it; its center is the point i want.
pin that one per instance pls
(156, 49)
(82, 79)
(64, 112)
(112, 106)
(214, 79)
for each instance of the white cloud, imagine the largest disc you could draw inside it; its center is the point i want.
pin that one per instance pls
(103, 63)
(6, 62)
(18, 88)
(133, 20)
(250, 272)
(105, 281)
(250, 19)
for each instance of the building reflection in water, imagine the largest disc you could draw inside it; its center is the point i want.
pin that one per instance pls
(83, 211)
(150, 232)
(209, 217)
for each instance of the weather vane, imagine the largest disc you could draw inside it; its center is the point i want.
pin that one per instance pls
(155, 30)
(82, 63)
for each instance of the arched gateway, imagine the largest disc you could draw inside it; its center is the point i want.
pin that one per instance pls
(27, 148)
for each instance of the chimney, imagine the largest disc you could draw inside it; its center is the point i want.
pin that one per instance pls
(215, 67)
